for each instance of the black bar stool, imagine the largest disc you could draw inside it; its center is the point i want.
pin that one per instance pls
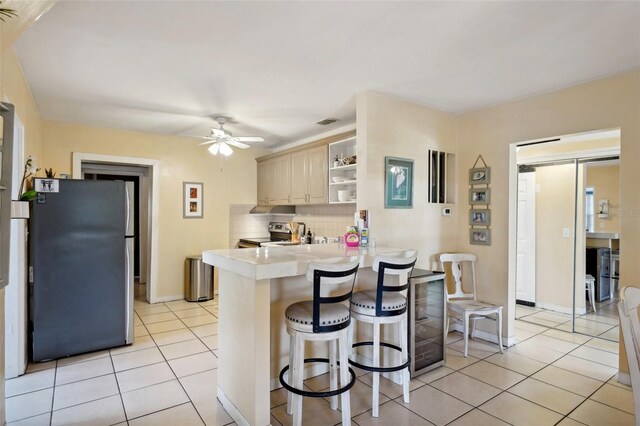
(386, 305)
(325, 318)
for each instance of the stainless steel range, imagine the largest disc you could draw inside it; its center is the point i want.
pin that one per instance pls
(279, 234)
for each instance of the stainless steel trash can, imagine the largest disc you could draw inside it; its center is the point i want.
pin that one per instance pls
(198, 280)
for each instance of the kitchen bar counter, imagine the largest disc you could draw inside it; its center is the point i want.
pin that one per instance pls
(255, 286)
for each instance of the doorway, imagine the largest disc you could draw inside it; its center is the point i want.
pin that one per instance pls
(135, 175)
(552, 213)
(146, 173)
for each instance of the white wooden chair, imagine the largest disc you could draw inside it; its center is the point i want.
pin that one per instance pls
(465, 307)
(628, 309)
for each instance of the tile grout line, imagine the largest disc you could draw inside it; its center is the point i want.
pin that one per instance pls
(53, 394)
(124, 410)
(176, 376)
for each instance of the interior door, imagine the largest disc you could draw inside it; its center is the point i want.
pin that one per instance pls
(526, 238)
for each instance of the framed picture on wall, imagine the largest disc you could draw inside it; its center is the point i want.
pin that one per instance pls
(479, 217)
(480, 236)
(398, 190)
(480, 176)
(479, 196)
(192, 200)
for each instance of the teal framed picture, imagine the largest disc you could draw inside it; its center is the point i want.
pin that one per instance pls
(398, 191)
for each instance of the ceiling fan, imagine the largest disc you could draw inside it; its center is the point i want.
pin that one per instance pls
(222, 140)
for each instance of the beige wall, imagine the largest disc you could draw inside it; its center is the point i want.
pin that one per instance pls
(605, 181)
(388, 126)
(181, 160)
(16, 91)
(602, 104)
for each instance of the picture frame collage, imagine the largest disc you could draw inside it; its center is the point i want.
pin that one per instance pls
(479, 201)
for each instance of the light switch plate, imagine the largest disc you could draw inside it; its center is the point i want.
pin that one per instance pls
(566, 232)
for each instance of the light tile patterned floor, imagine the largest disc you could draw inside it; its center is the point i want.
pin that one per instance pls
(169, 376)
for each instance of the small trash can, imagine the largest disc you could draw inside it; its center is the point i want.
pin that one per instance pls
(198, 280)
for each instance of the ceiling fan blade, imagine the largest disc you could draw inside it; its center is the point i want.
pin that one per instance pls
(207, 141)
(249, 138)
(238, 144)
(217, 132)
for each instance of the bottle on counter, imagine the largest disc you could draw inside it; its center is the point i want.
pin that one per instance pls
(309, 236)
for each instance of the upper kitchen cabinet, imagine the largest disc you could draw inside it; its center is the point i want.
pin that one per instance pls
(262, 183)
(283, 179)
(342, 171)
(300, 175)
(309, 176)
(268, 190)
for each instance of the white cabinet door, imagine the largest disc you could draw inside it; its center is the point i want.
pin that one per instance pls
(272, 182)
(262, 183)
(284, 179)
(317, 176)
(299, 172)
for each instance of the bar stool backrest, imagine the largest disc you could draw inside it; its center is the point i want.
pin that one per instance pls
(332, 272)
(393, 264)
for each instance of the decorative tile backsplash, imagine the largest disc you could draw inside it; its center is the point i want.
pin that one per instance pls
(324, 220)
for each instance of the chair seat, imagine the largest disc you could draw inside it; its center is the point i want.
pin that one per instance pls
(364, 302)
(475, 306)
(300, 315)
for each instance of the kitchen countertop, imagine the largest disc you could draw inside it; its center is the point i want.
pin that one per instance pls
(603, 235)
(255, 287)
(285, 261)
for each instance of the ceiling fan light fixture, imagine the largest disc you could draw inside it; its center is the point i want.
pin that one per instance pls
(225, 149)
(213, 149)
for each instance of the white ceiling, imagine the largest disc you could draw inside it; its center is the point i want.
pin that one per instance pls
(277, 67)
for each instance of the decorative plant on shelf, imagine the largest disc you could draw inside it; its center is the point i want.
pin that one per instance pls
(29, 170)
(49, 173)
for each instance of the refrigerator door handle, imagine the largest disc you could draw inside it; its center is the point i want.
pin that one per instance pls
(129, 208)
(129, 291)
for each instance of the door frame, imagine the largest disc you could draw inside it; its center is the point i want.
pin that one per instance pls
(513, 207)
(154, 201)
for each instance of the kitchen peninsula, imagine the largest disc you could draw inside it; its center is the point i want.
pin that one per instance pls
(255, 287)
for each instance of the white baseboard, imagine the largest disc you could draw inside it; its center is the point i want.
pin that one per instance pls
(231, 409)
(624, 378)
(561, 309)
(168, 298)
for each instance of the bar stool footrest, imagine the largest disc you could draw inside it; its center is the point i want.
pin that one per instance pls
(326, 394)
(380, 369)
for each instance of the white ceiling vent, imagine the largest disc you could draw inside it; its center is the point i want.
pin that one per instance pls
(327, 121)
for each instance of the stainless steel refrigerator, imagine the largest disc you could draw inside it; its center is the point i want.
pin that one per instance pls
(81, 268)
